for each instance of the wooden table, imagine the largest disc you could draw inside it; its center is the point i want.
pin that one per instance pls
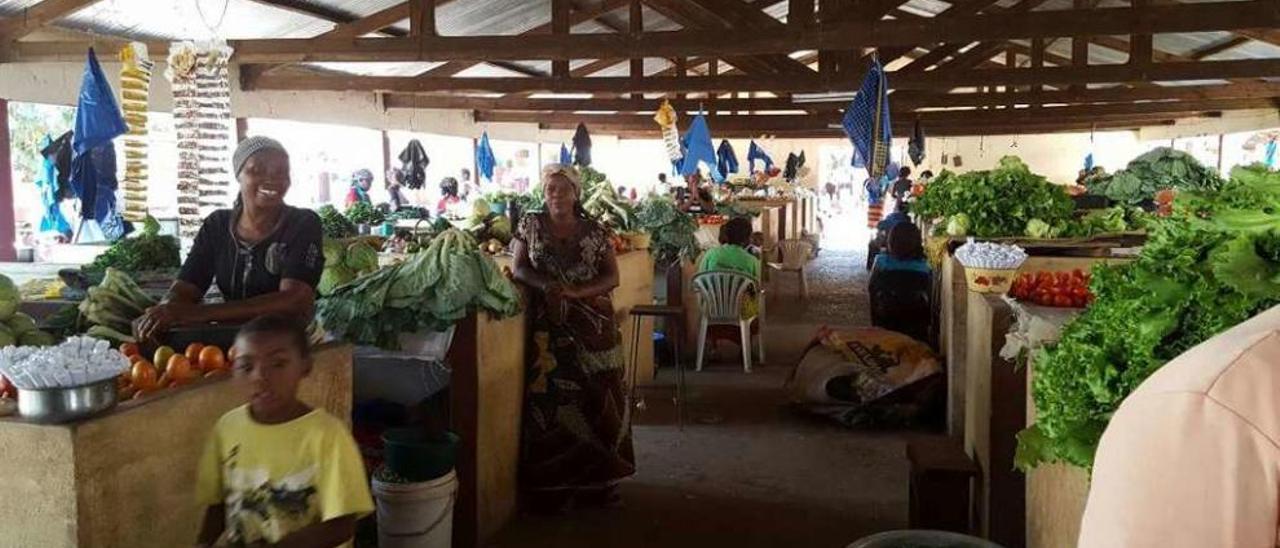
(127, 478)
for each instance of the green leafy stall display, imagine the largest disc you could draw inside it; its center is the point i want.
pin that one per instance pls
(145, 251)
(1213, 264)
(430, 291)
(1160, 169)
(998, 203)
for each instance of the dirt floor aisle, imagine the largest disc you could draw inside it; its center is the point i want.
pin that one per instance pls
(747, 470)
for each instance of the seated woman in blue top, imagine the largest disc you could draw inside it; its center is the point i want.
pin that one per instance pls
(901, 284)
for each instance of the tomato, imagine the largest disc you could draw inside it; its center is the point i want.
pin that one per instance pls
(179, 369)
(129, 349)
(1062, 301)
(161, 358)
(143, 375)
(7, 389)
(1077, 274)
(193, 352)
(211, 358)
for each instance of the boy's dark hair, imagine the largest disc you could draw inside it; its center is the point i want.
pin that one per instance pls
(904, 172)
(280, 325)
(904, 242)
(927, 174)
(737, 231)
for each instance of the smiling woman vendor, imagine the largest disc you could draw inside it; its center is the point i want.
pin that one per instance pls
(264, 255)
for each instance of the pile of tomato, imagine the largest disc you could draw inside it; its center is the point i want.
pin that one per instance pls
(1058, 289)
(168, 368)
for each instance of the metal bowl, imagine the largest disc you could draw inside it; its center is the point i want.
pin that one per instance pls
(59, 405)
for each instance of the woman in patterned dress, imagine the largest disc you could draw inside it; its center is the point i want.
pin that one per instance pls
(576, 442)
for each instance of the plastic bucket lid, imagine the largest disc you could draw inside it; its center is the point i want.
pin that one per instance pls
(416, 456)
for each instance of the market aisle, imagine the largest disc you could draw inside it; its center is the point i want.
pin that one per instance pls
(747, 470)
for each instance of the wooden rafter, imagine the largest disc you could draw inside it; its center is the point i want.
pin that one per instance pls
(39, 15)
(1200, 17)
(336, 16)
(690, 15)
(374, 22)
(1214, 49)
(900, 99)
(576, 17)
(1204, 70)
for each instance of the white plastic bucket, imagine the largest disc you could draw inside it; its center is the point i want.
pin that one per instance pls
(416, 515)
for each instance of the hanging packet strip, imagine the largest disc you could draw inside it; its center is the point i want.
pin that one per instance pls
(666, 120)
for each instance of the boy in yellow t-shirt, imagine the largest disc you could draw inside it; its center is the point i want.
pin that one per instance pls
(276, 472)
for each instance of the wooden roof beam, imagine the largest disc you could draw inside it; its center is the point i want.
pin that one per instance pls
(324, 13)
(374, 22)
(39, 15)
(1203, 70)
(1212, 16)
(1214, 49)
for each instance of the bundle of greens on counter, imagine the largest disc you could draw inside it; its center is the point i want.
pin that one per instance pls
(1162, 168)
(431, 290)
(489, 227)
(1210, 266)
(1092, 223)
(145, 251)
(17, 328)
(365, 213)
(733, 208)
(990, 204)
(334, 223)
(671, 230)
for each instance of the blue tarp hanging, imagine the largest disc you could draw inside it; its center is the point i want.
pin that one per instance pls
(754, 152)
(726, 159)
(581, 146)
(700, 150)
(93, 162)
(565, 158)
(1088, 161)
(1271, 154)
(53, 220)
(867, 123)
(485, 161)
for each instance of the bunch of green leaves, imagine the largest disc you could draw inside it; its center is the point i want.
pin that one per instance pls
(334, 224)
(1203, 271)
(997, 203)
(733, 208)
(364, 213)
(604, 204)
(591, 178)
(671, 230)
(142, 251)
(431, 290)
(1162, 168)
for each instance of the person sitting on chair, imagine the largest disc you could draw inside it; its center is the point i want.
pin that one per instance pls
(732, 255)
(900, 284)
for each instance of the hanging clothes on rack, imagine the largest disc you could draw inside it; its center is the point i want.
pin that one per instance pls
(793, 167)
(485, 160)
(52, 220)
(565, 157)
(726, 159)
(867, 122)
(700, 150)
(581, 146)
(755, 152)
(915, 148)
(59, 151)
(413, 165)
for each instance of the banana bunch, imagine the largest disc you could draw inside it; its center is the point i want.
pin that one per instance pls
(112, 306)
(135, 86)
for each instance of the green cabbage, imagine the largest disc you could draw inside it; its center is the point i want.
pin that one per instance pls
(6, 337)
(958, 225)
(1038, 229)
(361, 257)
(21, 323)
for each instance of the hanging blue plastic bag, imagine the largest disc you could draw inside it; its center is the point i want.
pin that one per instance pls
(98, 118)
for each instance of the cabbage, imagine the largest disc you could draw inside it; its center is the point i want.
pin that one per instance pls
(10, 298)
(6, 337)
(334, 251)
(1039, 229)
(361, 257)
(958, 225)
(333, 277)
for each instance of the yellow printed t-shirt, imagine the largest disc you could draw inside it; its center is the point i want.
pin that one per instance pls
(278, 478)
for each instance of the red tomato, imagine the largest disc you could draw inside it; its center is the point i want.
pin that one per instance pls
(1062, 301)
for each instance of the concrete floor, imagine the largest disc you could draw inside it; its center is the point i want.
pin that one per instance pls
(747, 470)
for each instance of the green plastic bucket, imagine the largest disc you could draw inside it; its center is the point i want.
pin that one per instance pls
(417, 456)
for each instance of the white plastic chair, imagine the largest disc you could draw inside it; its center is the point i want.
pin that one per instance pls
(720, 298)
(795, 256)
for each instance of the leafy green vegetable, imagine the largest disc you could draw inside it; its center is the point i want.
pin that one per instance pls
(10, 298)
(670, 229)
(958, 225)
(1198, 275)
(144, 251)
(334, 224)
(999, 202)
(431, 290)
(1152, 172)
(364, 213)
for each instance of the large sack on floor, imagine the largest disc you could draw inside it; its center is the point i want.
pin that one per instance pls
(867, 376)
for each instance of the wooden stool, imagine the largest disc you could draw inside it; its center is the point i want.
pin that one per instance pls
(675, 317)
(939, 486)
